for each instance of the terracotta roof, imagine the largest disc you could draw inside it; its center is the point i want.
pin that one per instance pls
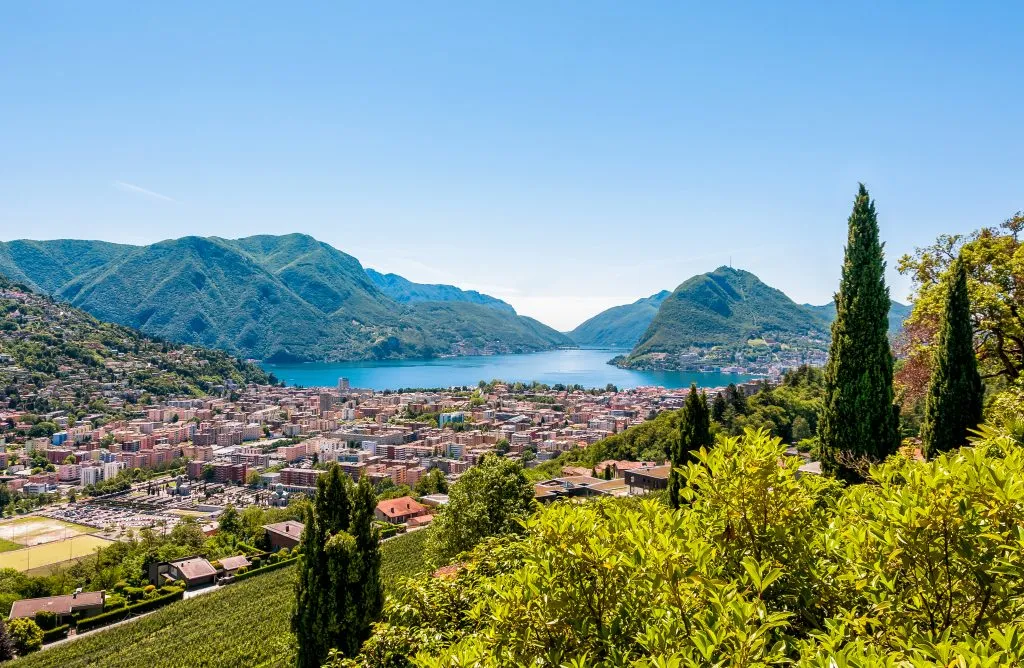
(194, 568)
(61, 605)
(421, 520)
(401, 507)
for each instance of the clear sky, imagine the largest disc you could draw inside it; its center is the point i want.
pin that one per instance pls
(563, 156)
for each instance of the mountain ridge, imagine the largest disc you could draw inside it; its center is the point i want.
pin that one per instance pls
(619, 326)
(404, 291)
(622, 326)
(280, 298)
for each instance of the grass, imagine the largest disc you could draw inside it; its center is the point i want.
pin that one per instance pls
(244, 624)
(8, 545)
(54, 552)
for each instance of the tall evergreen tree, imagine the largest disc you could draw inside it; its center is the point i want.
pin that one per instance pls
(309, 621)
(339, 594)
(718, 407)
(858, 420)
(694, 434)
(332, 498)
(954, 401)
(367, 589)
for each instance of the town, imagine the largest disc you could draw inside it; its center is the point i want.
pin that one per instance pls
(261, 443)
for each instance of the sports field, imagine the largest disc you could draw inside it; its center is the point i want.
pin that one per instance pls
(34, 530)
(51, 553)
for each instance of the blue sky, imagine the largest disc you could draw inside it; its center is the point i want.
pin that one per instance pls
(563, 156)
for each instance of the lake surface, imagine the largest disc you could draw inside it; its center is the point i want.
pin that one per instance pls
(584, 366)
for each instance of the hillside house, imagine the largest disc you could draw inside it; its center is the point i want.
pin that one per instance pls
(399, 511)
(83, 604)
(285, 534)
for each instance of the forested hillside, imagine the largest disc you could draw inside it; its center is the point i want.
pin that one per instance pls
(268, 297)
(620, 326)
(55, 356)
(405, 291)
(726, 307)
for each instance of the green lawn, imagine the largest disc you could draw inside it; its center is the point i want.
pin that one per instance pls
(8, 545)
(244, 624)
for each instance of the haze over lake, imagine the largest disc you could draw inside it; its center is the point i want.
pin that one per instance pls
(583, 366)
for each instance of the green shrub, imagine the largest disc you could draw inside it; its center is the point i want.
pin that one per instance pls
(922, 565)
(26, 635)
(244, 573)
(57, 633)
(133, 593)
(46, 620)
(111, 616)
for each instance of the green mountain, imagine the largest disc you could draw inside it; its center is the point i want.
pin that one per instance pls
(404, 291)
(268, 297)
(726, 307)
(620, 326)
(898, 313)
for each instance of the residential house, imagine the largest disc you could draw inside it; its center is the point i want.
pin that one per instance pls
(194, 571)
(285, 534)
(399, 511)
(83, 604)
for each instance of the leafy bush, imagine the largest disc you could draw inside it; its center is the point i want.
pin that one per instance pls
(111, 616)
(133, 593)
(922, 565)
(56, 633)
(26, 635)
(46, 620)
(245, 573)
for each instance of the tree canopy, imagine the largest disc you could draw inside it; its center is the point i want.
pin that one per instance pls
(489, 499)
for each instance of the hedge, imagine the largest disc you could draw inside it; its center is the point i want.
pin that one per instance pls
(57, 633)
(112, 616)
(265, 569)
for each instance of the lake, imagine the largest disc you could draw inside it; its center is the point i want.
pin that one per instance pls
(581, 366)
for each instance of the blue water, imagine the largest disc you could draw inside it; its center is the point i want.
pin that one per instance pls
(585, 366)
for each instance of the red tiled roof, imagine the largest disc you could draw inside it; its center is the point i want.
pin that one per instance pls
(401, 507)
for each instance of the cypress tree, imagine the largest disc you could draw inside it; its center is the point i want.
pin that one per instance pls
(858, 419)
(694, 434)
(367, 590)
(339, 594)
(954, 402)
(332, 500)
(718, 407)
(309, 618)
